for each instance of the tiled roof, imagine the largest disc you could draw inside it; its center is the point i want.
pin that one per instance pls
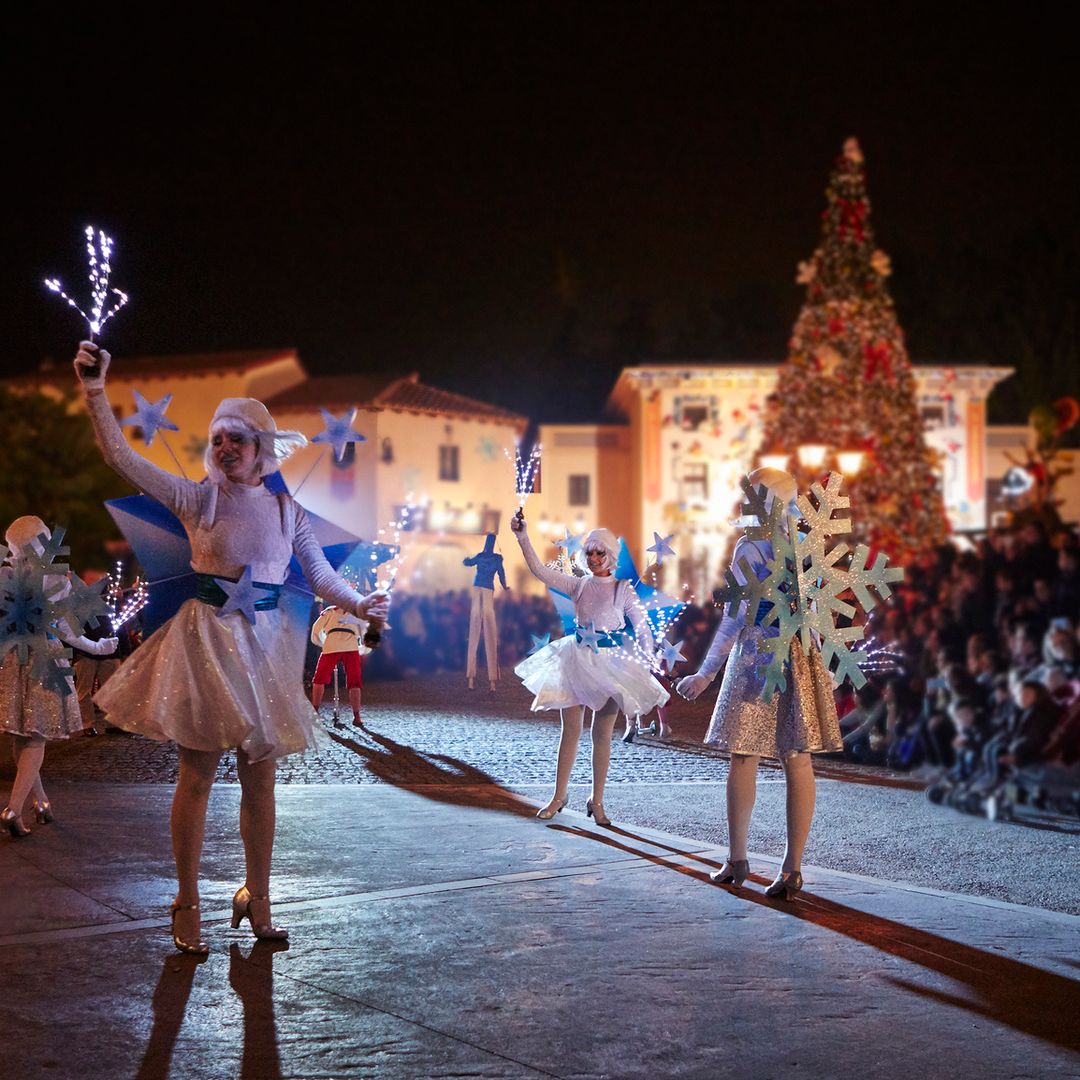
(171, 367)
(372, 392)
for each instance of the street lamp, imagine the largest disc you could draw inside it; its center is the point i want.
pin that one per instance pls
(849, 461)
(778, 460)
(812, 455)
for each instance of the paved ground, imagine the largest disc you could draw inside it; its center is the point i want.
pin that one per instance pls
(432, 732)
(442, 932)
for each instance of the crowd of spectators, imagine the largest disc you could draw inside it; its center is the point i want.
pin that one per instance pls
(985, 698)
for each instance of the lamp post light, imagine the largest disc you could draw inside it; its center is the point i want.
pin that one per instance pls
(849, 462)
(812, 455)
(778, 460)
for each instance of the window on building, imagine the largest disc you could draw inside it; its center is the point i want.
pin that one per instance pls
(449, 463)
(579, 491)
(695, 480)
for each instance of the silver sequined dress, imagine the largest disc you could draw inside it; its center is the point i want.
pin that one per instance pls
(213, 682)
(800, 719)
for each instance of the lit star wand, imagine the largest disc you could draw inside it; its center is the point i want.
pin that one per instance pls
(99, 258)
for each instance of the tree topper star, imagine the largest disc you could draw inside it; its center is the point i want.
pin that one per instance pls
(661, 547)
(242, 596)
(538, 642)
(339, 431)
(150, 416)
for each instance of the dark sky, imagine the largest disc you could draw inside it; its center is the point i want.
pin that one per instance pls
(515, 199)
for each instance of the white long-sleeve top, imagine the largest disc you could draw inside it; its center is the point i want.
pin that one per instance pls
(230, 526)
(757, 556)
(603, 603)
(336, 631)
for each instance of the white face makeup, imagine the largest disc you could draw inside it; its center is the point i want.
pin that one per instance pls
(235, 453)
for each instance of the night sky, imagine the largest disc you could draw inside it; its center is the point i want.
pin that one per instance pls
(517, 200)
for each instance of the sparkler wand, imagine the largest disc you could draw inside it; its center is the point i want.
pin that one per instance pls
(99, 258)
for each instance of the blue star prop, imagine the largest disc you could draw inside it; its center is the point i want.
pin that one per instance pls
(661, 547)
(150, 416)
(671, 654)
(538, 642)
(571, 543)
(339, 431)
(661, 609)
(242, 596)
(589, 637)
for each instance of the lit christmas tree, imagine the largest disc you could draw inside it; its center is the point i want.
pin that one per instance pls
(848, 386)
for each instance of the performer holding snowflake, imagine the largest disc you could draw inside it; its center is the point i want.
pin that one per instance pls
(221, 673)
(592, 668)
(41, 610)
(776, 699)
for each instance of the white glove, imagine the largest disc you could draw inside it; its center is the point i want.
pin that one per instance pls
(95, 648)
(88, 357)
(691, 686)
(107, 645)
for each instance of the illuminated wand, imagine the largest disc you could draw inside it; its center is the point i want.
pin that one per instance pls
(99, 258)
(526, 470)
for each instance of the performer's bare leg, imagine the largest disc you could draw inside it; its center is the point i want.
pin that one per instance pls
(197, 771)
(317, 691)
(603, 726)
(354, 701)
(257, 822)
(799, 773)
(741, 793)
(29, 752)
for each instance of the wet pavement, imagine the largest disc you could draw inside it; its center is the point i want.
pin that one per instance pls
(441, 931)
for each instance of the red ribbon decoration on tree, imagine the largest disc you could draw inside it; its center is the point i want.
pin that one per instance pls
(877, 356)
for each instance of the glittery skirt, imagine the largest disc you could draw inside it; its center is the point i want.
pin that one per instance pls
(566, 673)
(210, 683)
(800, 719)
(28, 708)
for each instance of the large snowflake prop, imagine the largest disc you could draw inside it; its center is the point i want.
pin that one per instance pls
(37, 596)
(806, 581)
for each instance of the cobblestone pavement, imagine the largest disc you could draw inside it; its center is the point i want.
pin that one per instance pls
(419, 731)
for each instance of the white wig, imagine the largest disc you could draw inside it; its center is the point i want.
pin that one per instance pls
(251, 417)
(599, 539)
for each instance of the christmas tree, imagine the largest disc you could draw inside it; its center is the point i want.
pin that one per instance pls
(847, 384)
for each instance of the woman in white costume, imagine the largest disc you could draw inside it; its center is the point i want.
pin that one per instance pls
(796, 723)
(596, 667)
(221, 674)
(30, 712)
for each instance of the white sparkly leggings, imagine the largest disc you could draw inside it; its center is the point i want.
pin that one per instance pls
(29, 752)
(742, 791)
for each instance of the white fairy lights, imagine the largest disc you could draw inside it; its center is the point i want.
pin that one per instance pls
(389, 569)
(138, 599)
(99, 258)
(525, 470)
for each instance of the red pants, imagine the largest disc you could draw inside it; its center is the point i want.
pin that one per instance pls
(328, 661)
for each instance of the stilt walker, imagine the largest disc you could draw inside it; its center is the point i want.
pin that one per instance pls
(482, 616)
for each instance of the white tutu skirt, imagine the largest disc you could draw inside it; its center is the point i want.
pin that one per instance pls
(210, 683)
(28, 708)
(567, 673)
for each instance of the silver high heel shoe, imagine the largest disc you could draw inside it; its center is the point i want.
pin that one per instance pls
(786, 885)
(554, 807)
(733, 872)
(595, 810)
(199, 948)
(241, 909)
(13, 823)
(43, 812)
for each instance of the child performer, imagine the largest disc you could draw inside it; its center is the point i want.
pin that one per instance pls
(482, 615)
(798, 722)
(30, 712)
(341, 637)
(590, 669)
